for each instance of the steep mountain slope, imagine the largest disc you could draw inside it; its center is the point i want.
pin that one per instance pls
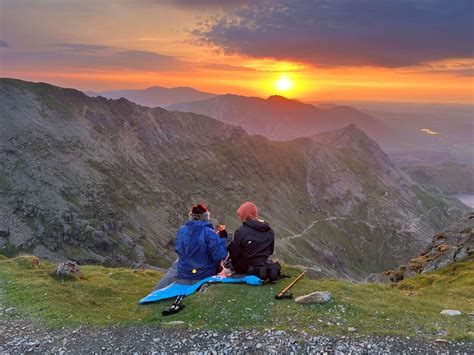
(108, 181)
(156, 96)
(281, 118)
(450, 178)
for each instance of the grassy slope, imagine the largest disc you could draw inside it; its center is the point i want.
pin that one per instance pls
(108, 296)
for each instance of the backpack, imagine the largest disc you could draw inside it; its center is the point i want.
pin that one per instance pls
(267, 271)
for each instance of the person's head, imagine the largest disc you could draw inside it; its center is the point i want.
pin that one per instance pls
(247, 211)
(200, 213)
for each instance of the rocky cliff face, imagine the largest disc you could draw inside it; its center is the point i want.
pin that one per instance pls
(108, 181)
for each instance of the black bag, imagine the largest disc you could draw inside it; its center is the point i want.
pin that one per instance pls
(267, 271)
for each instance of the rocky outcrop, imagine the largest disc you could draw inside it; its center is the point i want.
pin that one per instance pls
(456, 243)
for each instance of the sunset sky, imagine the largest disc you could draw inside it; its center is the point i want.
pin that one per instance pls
(404, 50)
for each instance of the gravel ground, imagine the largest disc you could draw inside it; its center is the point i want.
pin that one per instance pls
(22, 336)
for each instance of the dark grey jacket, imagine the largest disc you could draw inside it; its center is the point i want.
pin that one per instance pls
(252, 244)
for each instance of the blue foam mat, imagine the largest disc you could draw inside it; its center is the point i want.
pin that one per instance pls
(174, 289)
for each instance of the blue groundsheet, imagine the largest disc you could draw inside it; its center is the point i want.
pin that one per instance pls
(175, 289)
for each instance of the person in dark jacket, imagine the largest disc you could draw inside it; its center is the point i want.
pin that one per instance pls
(253, 242)
(200, 249)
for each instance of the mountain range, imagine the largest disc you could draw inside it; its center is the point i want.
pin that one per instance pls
(155, 96)
(405, 131)
(280, 118)
(109, 181)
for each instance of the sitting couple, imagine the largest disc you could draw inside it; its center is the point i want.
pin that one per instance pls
(202, 250)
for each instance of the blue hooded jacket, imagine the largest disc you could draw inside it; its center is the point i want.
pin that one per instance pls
(199, 249)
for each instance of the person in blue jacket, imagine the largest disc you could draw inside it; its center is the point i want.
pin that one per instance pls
(200, 249)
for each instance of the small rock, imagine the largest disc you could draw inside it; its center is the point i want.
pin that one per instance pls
(318, 297)
(450, 312)
(175, 322)
(68, 268)
(352, 329)
(440, 340)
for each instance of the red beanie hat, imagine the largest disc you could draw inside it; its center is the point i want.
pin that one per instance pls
(199, 209)
(247, 211)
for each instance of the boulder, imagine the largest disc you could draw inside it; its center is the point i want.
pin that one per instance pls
(378, 278)
(463, 253)
(450, 312)
(319, 297)
(68, 268)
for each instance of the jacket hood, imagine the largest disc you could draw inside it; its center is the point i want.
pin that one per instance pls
(258, 225)
(194, 223)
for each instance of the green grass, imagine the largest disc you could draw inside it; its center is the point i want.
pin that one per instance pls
(109, 296)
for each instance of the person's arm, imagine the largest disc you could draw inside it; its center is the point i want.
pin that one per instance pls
(234, 246)
(178, 244)
(216, 246)
(272, 245)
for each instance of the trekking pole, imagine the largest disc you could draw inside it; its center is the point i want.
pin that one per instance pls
(282, 294)
(175, 307)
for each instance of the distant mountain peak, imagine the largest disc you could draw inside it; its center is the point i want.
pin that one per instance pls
(283, 99)
(349, 133)
(278, 97)
(352, 129)
(353, 138)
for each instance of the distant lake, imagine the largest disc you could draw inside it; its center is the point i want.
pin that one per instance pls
(466, 198)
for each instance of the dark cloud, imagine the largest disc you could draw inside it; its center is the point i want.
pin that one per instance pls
(209, 4)
(3, 44)
(85, 56)
(385, 33)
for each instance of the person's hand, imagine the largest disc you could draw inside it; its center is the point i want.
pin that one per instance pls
(225, 272)
(221, 231)
(223, 234)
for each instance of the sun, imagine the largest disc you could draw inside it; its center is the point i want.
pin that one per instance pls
(284, 84)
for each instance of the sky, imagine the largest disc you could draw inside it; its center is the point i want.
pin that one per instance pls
(313, 50)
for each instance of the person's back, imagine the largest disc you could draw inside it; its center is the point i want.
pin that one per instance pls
(198, 246)
(253, 242)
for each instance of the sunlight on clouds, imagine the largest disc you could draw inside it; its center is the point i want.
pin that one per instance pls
(270, 65)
